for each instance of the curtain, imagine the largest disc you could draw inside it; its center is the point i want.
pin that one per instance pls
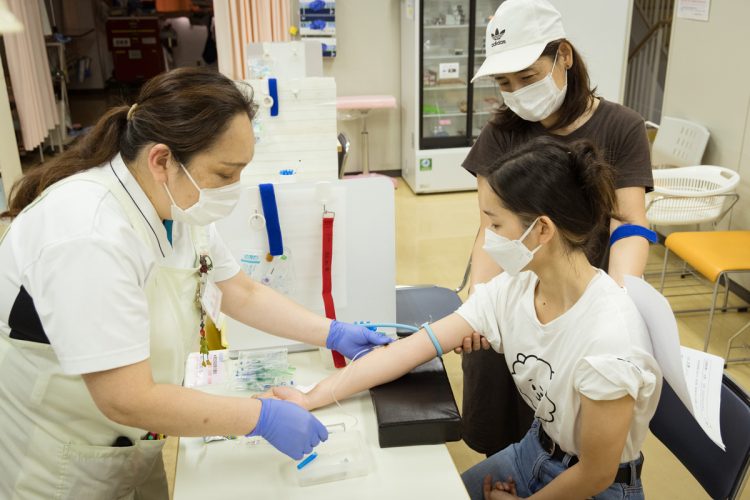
(239, 22)
(30, 77)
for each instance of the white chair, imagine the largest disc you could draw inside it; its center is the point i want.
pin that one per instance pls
(678, 143)
(690, 196)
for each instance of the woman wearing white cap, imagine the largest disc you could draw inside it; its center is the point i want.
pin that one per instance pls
(546, 92)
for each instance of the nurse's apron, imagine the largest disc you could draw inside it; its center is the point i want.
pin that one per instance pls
(61, 444)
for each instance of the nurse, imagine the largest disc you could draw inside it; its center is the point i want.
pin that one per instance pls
(546, 92)
(100, 269)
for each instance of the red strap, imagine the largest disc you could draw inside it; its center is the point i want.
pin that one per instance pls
(338, 360)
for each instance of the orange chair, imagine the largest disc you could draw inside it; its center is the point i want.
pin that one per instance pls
(715, 255)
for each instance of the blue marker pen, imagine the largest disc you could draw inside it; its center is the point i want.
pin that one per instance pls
(306, 461)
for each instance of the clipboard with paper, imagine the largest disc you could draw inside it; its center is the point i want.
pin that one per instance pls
(695, 376)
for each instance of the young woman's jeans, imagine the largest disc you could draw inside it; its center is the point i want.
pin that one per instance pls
(532, 468)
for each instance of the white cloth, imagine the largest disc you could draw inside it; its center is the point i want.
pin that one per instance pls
(79, 258)
(599, 348)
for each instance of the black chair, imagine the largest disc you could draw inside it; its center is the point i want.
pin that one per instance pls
(418, 304)
(722, 474)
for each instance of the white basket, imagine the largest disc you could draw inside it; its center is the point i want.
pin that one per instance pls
(690, 195)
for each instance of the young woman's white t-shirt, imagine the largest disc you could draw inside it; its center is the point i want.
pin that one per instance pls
(600, 348)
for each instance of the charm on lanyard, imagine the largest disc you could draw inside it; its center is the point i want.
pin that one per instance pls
(205, 266)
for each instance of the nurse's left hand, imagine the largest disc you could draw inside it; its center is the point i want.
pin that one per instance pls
(353, 340)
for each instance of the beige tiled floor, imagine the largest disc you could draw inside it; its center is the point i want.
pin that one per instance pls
(434, 234)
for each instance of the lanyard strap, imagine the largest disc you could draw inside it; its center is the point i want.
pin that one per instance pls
(271, 213)
(330, 308)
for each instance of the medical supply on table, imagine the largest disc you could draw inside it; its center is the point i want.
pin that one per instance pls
(199, 375)
(261, 370)
(212, 439)
(342, 456)
(312, 456)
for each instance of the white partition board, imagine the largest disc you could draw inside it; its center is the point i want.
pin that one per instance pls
(364, 260)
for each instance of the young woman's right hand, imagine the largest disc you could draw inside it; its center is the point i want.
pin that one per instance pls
(291, 429)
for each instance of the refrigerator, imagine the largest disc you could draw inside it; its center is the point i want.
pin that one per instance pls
(442, 44)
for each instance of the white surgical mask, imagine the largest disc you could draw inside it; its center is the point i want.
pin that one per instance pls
(212, 205)
(539, 100)
(511, 255)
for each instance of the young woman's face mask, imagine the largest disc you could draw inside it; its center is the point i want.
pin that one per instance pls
(212, 205)
(512, 255)
(539, 100)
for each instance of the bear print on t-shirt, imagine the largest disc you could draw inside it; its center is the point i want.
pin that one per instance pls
(533, 377)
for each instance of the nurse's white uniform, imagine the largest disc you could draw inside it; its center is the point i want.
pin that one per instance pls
(89, 282)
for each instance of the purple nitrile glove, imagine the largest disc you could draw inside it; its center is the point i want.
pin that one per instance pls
(351, 340)
(291, 429)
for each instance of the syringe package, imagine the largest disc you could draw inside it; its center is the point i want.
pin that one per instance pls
(261, 370)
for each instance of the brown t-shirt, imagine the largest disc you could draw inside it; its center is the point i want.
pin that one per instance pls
(618, 132)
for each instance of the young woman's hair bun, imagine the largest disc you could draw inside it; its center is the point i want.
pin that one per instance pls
(596, 180)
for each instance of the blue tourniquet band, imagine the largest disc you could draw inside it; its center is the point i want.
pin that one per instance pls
(434, 339)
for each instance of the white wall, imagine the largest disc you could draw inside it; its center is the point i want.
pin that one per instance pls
(603, 44)
(368, 62)
(708, 81)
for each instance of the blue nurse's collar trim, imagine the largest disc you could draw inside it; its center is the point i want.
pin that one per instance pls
(142, 203)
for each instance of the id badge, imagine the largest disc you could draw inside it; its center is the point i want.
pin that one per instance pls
(211, 301)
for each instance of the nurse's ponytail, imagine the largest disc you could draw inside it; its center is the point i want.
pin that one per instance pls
(569, 183)
(186, 109)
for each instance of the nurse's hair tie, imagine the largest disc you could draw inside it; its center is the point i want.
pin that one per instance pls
(131, 111)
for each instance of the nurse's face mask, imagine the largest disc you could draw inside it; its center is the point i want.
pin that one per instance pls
(212, 205)
(539, 100)
(512, 255)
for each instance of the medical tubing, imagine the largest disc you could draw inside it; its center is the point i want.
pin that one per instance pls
(398, 326)
(341, 376)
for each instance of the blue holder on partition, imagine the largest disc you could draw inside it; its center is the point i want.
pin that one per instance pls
(273, 91)
(271, 213)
